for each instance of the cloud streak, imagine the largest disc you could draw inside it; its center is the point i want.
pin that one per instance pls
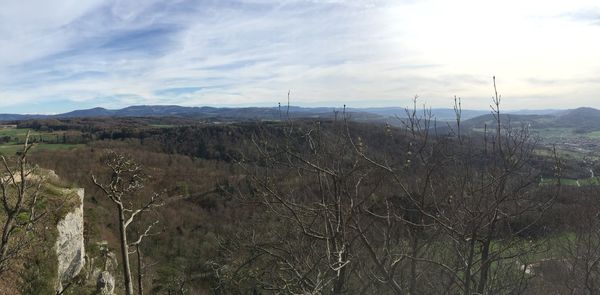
(250, 52)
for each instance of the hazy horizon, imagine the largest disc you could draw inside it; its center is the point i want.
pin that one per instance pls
(333, 107)
(65, 55)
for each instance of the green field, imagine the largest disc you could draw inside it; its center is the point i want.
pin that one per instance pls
(555, 133)
(11, 149)
(162, 126)
(572, 182)
(41, 140)
(566, 154)
(593, 134)
(18, 134)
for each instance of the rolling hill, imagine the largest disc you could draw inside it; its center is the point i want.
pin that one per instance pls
(580, 120)
(259, 113)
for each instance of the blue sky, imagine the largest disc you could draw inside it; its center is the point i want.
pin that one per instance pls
(62, 55)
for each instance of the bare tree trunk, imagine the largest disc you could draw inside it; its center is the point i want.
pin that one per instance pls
(413, 264)
(468, 273)
(341, 279)
(485, 261)
(5, 237)
(125, 252)
(139, 269)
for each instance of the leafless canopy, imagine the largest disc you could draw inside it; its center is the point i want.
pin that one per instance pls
(420, 212)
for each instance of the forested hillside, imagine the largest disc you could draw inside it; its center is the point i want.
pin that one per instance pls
(333, 206)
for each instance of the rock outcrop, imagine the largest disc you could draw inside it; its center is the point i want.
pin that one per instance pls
(100, 267)
(105, 285)
(70, 248)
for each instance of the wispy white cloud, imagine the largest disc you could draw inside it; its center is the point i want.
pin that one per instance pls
(61, 54)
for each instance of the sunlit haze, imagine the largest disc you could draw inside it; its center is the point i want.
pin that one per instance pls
(58, 56)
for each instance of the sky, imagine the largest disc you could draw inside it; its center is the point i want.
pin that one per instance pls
(61, 55)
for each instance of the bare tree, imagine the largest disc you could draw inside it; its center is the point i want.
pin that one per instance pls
(345, 224)
(395, 211)
(20, 189)
(483, 203)
(575, 265)
(126, 179)
(314, 186)
(138, 252)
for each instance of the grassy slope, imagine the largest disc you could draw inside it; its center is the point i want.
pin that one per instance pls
(18, 136)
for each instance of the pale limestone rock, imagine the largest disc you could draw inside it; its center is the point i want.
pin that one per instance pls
(70, 248)
(105, 284)
(99, 269)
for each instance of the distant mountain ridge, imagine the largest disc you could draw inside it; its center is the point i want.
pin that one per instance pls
(264, 113)
(579, 117)
(583, 119)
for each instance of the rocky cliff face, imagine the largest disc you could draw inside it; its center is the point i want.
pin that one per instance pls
(70, 248)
